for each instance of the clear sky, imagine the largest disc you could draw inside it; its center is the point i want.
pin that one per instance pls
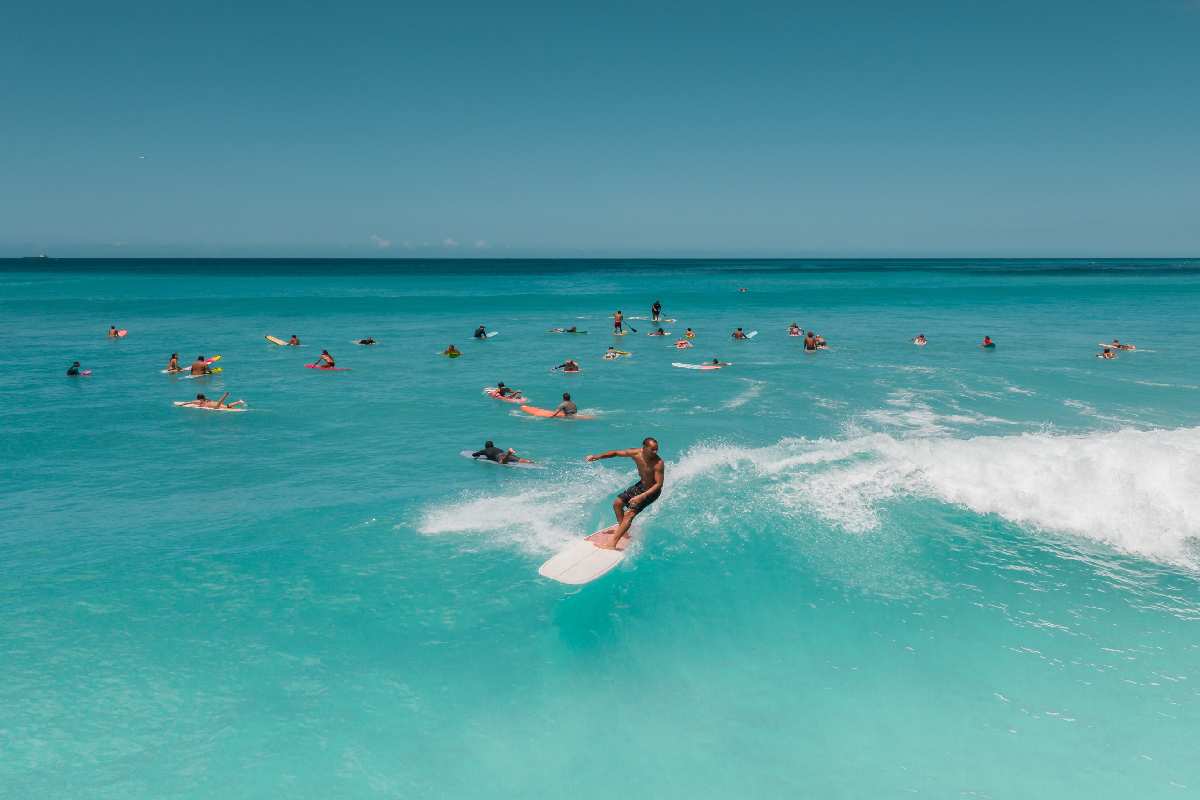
(627, 128)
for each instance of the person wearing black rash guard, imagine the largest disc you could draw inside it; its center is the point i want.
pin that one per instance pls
(73, 370)
(655, 311)
(490, 452)
(480, 332)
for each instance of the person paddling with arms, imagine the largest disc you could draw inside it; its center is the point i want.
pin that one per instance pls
(634, 500)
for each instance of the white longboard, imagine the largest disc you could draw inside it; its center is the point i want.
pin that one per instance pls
(582, 561)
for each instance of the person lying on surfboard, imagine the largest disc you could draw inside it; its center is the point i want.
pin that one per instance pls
(794, 330)
(566, 408)
(493, 453)
(570, 365)
(368, 341)
(173, 363)
(506, 391)
(738, 334)
(452, 351)
(200, 366)
(638, 497)
(718, 363)
(325, 361)
(294, 341)
(1108, 353)
(480, 332)
(204, 402)
(659, 332)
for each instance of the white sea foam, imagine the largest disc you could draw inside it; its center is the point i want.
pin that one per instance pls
(754, 389)
(1134, 490)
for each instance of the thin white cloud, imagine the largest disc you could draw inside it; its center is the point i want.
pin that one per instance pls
(380, 242)
(481, 244)
(448, 242)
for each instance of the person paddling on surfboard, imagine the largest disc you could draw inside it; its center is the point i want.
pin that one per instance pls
(294, 341)
(506, 391)
(618, 322)
(566, 408)
(325, 361)
(570, 365)
(368, 341)
(655, 311)
(173, 363)
(638, 497)
(493, 453)
(480, 332)
(452, 351)
(204, 402)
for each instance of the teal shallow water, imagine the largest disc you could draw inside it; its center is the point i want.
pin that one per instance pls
(875, 571)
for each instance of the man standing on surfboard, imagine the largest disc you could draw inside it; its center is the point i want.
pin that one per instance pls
(634, 500)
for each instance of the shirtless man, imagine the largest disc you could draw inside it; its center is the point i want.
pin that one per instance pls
(634, 500)
(659, 332)
(618, 322)
(200, 366)
(325, 361)
(567, 407)
(294, 341)
(794, 330)
(810, 341)
(570, 365)
(507, 391)
(738, 334)
(173, 364)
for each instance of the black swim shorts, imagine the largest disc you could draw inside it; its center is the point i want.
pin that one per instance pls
(634, 491)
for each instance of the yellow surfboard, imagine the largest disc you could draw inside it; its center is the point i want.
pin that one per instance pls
(275, 340)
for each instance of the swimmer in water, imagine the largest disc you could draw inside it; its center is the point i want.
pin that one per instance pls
(920, 339)
(294, 341)
(452, 351)
(73, 370)
(689, 334)
(638, 497)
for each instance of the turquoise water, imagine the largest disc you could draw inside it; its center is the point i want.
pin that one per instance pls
(875, 571)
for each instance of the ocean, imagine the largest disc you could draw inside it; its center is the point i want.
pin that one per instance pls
(878, 570)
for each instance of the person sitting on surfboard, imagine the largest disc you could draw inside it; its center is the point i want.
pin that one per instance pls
(810, 341)
(987, 342)
(452, 351)
(738, 334)
(618, 322)
(566, 408)
(638, 497)
(480, 332)
(570, 365)
(689, 334)
(505, 391)
(112, 332)
(200, 366)
(173, 363)
(613, 353)
(325, 361)
(1107, 354)
(794, 330)
(294, 341)
(655, 311)
(73, 370)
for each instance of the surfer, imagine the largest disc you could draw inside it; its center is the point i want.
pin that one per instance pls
(203, 402)
(683, 344)
(73, 370)
(920, 339)
(173, 364)
(810, 342)
(987, 342)
(200, 366)
(716, 362)
(294, 341)
(618, 322)
(480, 332)
(1116, 345)
(571, 329)
(794, 330)
(689, 334)
(1106, 354)
(634, 500)
(613, 353)
(493, 453)
(452, 351)
(505, 391)
(738, 334)
(567, 407)
(112, 332)
(570, 365)
(325, 361)
(659, 332)
(655, 311)
(368, 341)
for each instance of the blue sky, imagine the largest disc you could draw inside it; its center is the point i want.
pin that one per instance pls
(600, 129)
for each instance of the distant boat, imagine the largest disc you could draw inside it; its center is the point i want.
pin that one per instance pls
(35, 258)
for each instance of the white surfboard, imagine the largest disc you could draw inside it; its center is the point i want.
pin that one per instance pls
(751, 334)
(582, 561)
